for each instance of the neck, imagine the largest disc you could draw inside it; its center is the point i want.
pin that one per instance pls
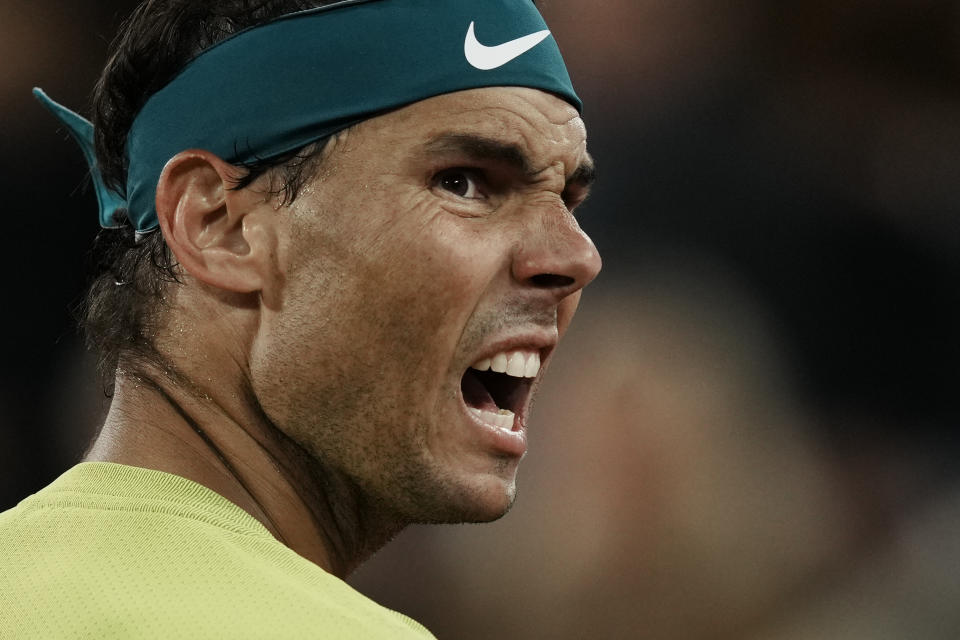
(161, 420)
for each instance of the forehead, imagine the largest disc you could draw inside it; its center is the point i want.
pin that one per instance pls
(544, 125)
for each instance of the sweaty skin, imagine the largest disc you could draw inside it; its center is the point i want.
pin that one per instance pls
(311, 363)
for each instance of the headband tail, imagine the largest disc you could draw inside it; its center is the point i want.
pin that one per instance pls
(82, 131)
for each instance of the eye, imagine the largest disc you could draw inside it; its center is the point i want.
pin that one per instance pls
(574, 198)
(464, 183)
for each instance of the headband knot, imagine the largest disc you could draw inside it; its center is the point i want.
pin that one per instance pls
(81, 130)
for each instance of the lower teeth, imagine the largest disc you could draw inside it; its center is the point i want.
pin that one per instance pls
(502, 418)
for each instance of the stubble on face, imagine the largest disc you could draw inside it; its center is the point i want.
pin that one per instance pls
(390, 289)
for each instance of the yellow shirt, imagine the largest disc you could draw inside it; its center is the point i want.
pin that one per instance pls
(112, 551)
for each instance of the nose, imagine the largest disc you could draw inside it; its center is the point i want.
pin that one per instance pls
(555, 255)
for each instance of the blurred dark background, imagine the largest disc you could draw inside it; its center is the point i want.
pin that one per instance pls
(752, 430)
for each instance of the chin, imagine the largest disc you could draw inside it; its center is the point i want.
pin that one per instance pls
(493, 508)
(482, 500)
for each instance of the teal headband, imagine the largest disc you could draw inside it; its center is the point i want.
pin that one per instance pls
(277, 87)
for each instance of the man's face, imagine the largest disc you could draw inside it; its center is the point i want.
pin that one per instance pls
(436, 237)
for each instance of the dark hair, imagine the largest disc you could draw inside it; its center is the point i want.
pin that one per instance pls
(159, 38)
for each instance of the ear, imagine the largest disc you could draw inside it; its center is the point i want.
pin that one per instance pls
(220, 236)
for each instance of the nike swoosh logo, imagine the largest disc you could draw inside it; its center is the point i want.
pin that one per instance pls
(487, 58)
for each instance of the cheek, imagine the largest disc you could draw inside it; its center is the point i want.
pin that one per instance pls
(383, 288)
(400, 299)
(431, 288)
(444, 258)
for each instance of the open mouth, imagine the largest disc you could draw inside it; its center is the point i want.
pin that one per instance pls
(496, 389)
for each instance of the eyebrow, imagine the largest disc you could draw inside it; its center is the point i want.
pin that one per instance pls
(484, 148)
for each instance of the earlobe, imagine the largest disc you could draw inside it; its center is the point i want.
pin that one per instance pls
(212, 229)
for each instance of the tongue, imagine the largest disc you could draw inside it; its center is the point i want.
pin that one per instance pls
(475, 394)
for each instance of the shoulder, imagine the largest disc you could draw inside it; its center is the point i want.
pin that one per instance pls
(143, 568)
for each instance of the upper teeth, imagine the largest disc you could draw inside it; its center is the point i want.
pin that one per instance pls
(519, 364)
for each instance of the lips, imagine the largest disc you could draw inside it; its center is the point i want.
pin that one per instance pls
(496, 389)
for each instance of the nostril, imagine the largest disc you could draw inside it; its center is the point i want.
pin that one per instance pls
(551, 281)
